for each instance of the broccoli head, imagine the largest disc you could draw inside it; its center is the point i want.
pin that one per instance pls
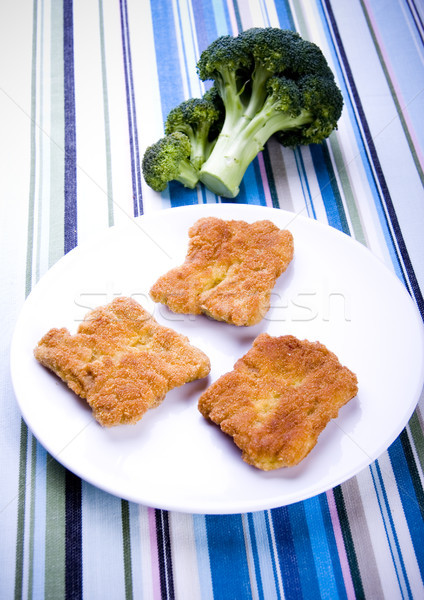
(168, 160)
(200, 119)
(271, 81)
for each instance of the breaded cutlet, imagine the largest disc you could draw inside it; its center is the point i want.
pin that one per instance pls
(278, 399)
(229, 272)
(121, 361)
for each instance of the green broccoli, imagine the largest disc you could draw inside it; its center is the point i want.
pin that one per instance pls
(267, 81)
(271, 81)
(200, 119)
(168, 160)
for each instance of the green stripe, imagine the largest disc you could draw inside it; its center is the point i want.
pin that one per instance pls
(393, 94)
(32, 517)
(55, 531)
(348, 194)
(416, 429)
(109, 190)
(20, 526)
(126, 541)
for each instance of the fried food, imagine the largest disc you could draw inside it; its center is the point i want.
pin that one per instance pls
(229, 272)
(121, 361)
(278, 399)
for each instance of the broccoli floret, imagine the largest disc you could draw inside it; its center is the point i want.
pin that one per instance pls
(200, 119)
(168, 160)
(271, 81)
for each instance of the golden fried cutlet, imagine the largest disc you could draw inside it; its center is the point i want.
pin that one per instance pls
(121, 361)
(229, 272)
(278, 399)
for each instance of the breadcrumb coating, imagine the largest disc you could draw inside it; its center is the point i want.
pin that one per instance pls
(121, 361)
(278, 399)
(229, 272)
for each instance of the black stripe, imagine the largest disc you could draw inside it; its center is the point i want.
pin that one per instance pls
(416, 17)
(390, 210)
(164, 554)
(73, 537)
(348, 542)
(70, 216)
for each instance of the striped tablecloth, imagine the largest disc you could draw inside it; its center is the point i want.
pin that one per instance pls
(84, 88)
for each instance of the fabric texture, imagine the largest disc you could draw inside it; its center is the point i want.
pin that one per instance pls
(85, 87)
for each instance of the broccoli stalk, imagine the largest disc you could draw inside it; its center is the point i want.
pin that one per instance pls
(238, 144)
(271, 81)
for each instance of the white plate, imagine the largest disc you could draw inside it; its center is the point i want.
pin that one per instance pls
(334, 291)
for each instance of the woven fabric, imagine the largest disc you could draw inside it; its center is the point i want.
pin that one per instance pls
(84, 88)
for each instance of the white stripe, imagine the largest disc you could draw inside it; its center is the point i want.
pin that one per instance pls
(264, 554)
(101, 529)
(91, 143)
(145, 552)
(273, 546)
(146, 86)
(186, 576)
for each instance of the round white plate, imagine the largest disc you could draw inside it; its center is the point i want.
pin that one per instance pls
(334, 291)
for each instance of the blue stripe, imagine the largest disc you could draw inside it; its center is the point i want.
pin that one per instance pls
(181, 195)
(187, 63)
(251, 186)
(221, 18)
(398, 563)
(166, 50)
(284, 14)
(328, 186)
(228, 559)
(304, 551)
(288, 554)
(205, 28)
(320, 549)
(70, 208)
(332, 546)
(131, 110)
(410, 502)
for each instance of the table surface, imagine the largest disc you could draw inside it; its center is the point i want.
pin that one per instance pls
(84, 89)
